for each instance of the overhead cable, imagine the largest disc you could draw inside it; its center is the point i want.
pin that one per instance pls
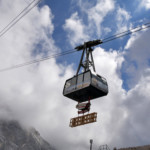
(38, 60)
(108, 39)
(125, 32)
(19, 16)
(119, 35)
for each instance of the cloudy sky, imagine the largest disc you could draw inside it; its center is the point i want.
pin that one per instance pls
(33, 94)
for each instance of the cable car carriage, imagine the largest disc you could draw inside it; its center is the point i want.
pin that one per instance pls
(86, 85)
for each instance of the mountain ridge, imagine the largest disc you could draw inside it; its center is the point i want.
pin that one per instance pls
(15, 137)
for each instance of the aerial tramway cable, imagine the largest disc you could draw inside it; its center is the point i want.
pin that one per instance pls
(125, 33)
(105, 40)
(38, 60)
(19, 16)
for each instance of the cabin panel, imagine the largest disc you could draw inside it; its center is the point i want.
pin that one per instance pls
(79, 81)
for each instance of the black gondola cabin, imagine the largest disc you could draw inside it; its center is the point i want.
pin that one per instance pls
(84, 86)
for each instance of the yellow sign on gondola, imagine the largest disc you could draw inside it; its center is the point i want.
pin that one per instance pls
(85, 119)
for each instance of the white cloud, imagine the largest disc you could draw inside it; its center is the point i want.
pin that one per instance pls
(122, 14)
(76, 29)
(137, 57)
(136, 103)
(97, 13)
(131, 41)
(122, 18)
(107, 30)
(145, 3)
(122, 113)
(33, 94)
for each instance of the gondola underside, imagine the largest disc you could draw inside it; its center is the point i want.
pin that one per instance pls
(88, 93)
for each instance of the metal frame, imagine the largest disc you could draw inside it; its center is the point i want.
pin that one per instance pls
(87, 52)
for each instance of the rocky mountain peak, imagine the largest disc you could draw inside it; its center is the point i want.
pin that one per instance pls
(14, 137)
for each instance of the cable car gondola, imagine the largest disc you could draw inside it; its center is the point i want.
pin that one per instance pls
(86, 85)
